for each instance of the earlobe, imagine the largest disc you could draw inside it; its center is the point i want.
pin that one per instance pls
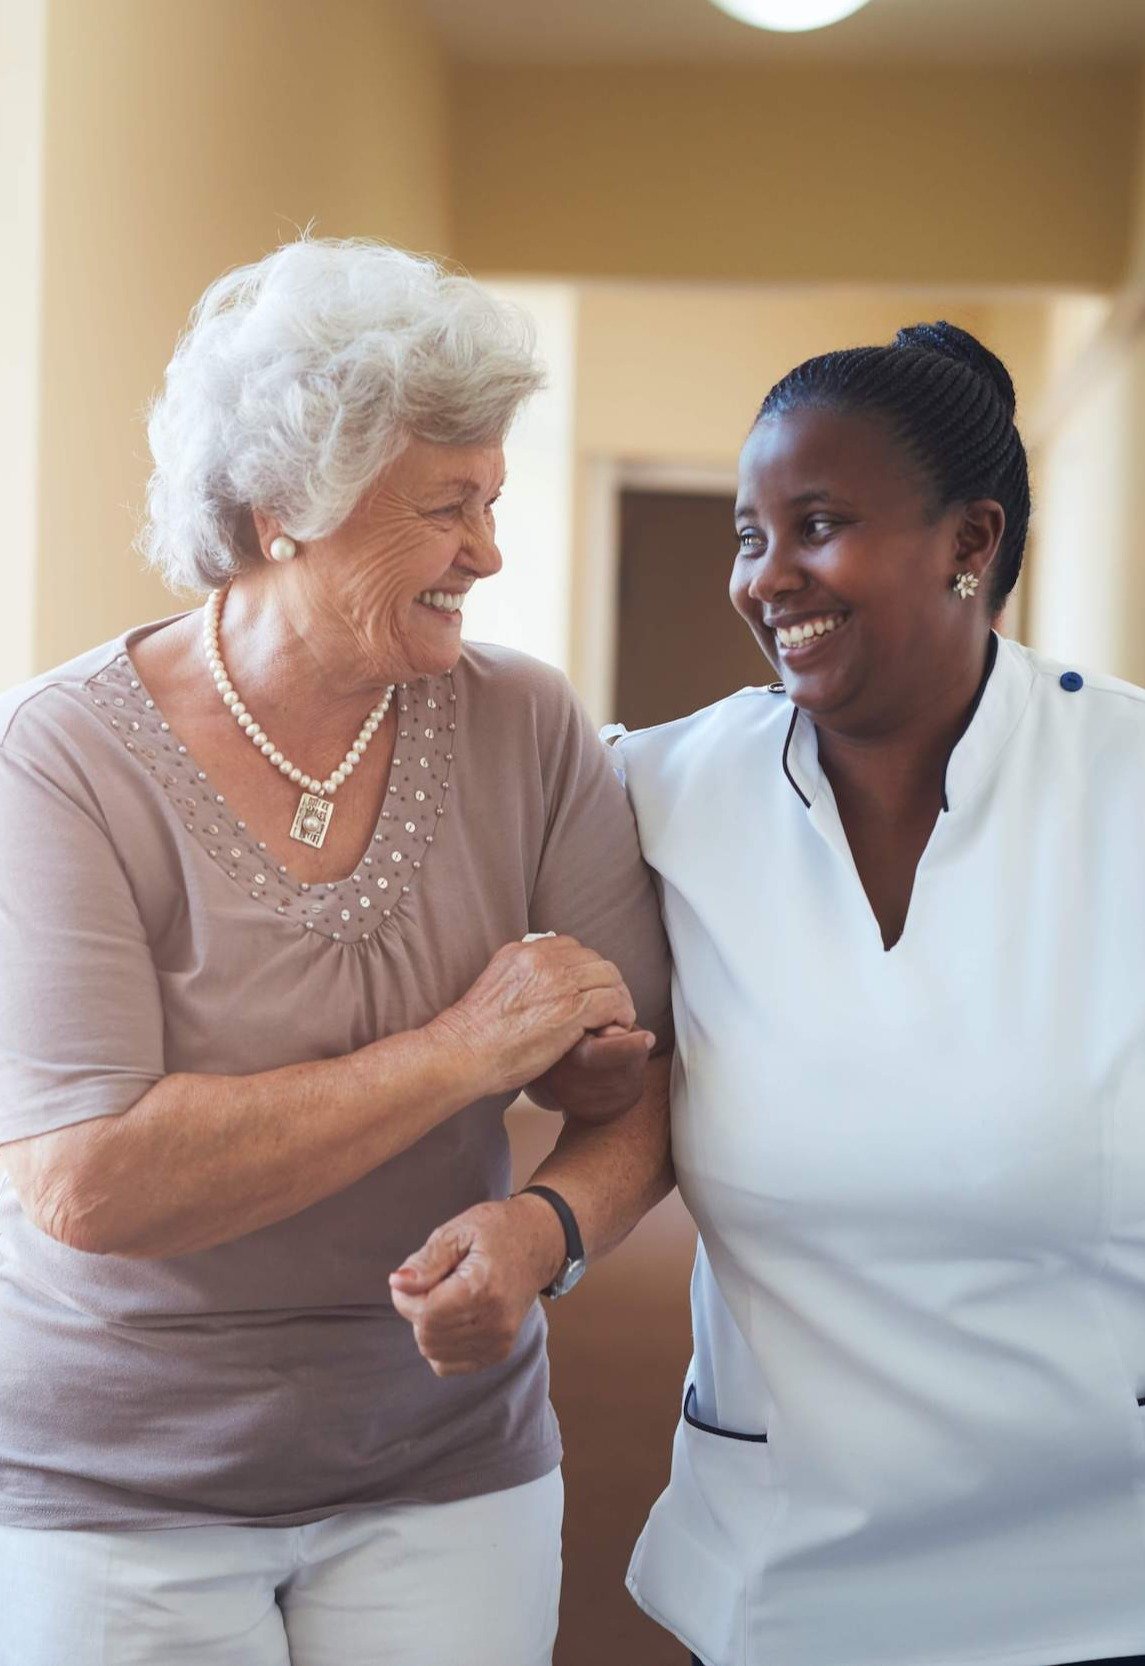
(977, 541)
(274, 544)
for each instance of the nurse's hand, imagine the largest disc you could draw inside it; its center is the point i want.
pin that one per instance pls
(468, 1291)
(599, 1079)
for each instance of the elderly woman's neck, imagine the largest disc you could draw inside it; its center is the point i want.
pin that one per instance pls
(303, 665)
(306, 696)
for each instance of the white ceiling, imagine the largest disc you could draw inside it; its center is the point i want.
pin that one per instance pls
(691, 31)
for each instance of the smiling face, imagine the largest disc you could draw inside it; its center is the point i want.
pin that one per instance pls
(844, 573)
(395, 574)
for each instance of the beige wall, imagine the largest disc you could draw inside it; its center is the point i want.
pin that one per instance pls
(526, 605)
(978, 176)
(182, 139)
(669, 377)
(1136, 261)
(23, 31)
(1088, 581)
(675, 372)
(1088, 601)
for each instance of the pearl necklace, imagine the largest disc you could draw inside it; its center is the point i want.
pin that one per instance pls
(315, 808)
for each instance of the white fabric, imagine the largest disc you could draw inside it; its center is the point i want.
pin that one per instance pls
(919, 1178)
(474, 1583)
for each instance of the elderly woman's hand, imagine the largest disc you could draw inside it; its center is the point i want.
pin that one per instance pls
(531, 1005)
(467, 1291)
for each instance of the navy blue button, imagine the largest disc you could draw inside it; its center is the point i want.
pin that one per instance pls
(1071, 681)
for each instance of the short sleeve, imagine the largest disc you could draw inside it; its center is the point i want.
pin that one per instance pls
(592, 882)
(81, 1021)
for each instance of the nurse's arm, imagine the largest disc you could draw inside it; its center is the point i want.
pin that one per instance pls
(468, 1290)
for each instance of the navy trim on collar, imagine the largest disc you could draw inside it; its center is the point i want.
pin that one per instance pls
(991, 661)
(786, 750)
(959, 747)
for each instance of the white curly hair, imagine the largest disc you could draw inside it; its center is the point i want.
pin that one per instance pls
(300, 376)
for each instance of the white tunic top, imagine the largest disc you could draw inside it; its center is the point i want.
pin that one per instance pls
(919, 1178)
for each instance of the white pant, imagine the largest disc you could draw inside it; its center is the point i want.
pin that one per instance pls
(475, 1583)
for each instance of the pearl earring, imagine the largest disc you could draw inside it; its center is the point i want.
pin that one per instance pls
(966, 584)
(283, 549)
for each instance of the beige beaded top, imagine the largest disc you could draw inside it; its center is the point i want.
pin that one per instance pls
(143, 932)
(416, 797)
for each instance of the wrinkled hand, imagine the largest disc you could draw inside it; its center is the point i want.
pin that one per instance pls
(531, 1004)
(600, 1078)
(468, 1290)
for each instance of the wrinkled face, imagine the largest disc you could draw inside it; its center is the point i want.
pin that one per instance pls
(395, 575)
(844, 574)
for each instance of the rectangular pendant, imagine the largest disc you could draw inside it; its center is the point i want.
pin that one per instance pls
(311, 819)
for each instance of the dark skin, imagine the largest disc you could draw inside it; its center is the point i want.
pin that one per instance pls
(836, 524)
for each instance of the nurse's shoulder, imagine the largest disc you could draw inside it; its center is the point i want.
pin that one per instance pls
(673, 757)
(1093, 723)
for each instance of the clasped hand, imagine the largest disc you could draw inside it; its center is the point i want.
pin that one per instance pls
(552, 1016)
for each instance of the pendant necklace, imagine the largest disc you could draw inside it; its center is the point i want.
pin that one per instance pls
(316, 806)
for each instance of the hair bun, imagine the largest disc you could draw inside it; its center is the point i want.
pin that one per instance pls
(954, 343)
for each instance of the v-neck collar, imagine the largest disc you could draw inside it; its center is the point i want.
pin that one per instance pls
(351, 909)
(1001, 699)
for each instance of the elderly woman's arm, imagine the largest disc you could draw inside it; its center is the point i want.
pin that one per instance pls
(467, 1292)
(200, 1160)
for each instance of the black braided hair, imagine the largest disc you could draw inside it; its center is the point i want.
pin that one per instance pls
(950, 402)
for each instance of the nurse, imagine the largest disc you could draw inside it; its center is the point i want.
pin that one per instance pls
(905, 892)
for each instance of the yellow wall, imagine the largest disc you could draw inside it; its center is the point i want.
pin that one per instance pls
(23, 32)
(182, 139)
(669, 377)
(948, 176)
(1136, 262)
(1088, 600)
(1088, 581)
(675, 372)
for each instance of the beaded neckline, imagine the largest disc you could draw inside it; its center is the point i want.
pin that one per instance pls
(346, 910)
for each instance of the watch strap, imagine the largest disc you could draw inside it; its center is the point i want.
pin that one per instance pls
(574, 1244)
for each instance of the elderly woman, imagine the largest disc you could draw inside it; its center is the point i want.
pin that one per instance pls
(267, 871)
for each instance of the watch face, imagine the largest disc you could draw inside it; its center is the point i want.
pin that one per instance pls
(567, 1279)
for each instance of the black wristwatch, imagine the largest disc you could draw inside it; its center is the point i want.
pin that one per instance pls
(575, 1265)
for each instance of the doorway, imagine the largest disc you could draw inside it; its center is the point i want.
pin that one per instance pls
(680, 645)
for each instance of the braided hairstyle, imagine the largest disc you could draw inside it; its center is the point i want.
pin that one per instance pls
(949, 402)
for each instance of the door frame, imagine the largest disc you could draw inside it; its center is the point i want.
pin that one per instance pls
(595, 624)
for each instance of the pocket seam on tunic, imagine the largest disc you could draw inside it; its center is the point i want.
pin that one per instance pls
(711, 1428)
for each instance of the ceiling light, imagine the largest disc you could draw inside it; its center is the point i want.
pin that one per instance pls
(790, 15)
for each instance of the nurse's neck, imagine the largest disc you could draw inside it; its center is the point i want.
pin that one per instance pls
(888, 775)
(886, 753)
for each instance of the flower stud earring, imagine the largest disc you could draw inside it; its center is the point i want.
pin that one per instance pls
(283, 549)
(966, 584)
